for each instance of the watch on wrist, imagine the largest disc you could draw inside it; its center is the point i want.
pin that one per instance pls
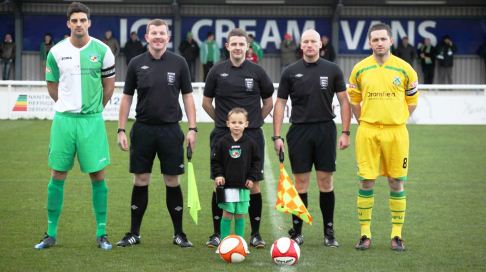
(274, 138)
(120, 130)
(193, 128)
(347, 132)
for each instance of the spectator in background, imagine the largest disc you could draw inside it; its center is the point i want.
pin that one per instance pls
(251, 55)
(445, 56)
(112, 43)
(406, 51)
(327, 51)
(189, 49)
(287, 51)
(45, 47)
(299, 53)
(133, 47)
(256, 46)
(427, 54)
(7, 53)
(209, 53)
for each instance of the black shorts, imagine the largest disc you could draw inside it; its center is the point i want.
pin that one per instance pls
(256, 134)
(164, 140)
(312, 144)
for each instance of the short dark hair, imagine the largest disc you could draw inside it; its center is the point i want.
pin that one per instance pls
(238, 32)
(156, 22)
(380, 26)
(75, 7)
(237, 110)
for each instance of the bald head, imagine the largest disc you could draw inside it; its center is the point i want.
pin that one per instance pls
(310, 43)
(311, 33)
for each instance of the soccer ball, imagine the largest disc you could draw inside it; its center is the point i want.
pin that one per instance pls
(233, 249)
(285, 251)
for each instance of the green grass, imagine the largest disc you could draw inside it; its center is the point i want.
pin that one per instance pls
(444, 230)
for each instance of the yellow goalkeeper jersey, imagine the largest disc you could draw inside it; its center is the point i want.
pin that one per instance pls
(384, 91)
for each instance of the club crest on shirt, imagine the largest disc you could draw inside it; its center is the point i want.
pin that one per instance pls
(93, 58)
(235, 151)
(323, 82)
(396, 81)
(170, 78)
(249, 84)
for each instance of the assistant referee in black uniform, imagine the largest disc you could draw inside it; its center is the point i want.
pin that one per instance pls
(159, 76)
(232, 83)
(311, 83)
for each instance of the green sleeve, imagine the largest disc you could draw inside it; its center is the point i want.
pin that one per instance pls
(52, 70)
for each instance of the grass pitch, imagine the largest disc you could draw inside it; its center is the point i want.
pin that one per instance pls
(444, 227)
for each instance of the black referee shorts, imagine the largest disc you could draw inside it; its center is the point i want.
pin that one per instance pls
(256, 134)
(312, 144)
(164, 140)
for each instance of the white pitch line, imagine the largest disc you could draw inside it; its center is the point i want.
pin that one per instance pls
(271, 196)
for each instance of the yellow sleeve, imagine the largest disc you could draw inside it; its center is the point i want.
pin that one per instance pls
(353, 88)
(411, 89)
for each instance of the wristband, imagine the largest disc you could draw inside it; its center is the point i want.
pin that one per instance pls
(193, 128)
(347, 132)
(120, 130)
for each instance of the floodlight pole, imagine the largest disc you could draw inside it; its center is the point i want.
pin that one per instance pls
(335, 26)
(18, 39)
(176, 32)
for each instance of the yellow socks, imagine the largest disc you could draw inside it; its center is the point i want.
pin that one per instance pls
(398, 205)
(365, 206)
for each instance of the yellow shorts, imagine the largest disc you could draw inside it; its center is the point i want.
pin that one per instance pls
(385, 146)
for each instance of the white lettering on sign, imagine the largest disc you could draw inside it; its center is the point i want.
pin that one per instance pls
(352, 38)
(271, 34)
(125, 33)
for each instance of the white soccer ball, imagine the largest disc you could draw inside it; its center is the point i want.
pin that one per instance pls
(233, 249)
(285, 251)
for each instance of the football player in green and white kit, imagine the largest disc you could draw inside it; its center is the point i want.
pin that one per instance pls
(80, 75)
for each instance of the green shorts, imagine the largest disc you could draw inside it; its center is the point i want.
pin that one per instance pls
(238, 207)
(83, 135)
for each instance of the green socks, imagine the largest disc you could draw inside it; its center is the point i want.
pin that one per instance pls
(55, 195)
(100, 203)
(225, 227)
(240, 226)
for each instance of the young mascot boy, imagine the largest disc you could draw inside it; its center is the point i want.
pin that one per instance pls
(235, 166)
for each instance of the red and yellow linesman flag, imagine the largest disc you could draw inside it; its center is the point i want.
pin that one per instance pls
(288, 199)
(192, 195)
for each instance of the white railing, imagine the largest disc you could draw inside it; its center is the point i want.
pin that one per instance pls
(438, 104)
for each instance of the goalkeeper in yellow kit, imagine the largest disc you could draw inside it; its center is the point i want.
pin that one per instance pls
(383, 93)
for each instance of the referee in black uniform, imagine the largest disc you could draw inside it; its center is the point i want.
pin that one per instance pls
(232, 83)
(158, 76)
(311, 83)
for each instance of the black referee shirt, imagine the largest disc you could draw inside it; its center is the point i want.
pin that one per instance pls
(242, 86)
(311, 87)
(158, 83)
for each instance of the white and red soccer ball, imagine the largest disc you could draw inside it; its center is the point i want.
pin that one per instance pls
(285, 251)
(233, 249)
